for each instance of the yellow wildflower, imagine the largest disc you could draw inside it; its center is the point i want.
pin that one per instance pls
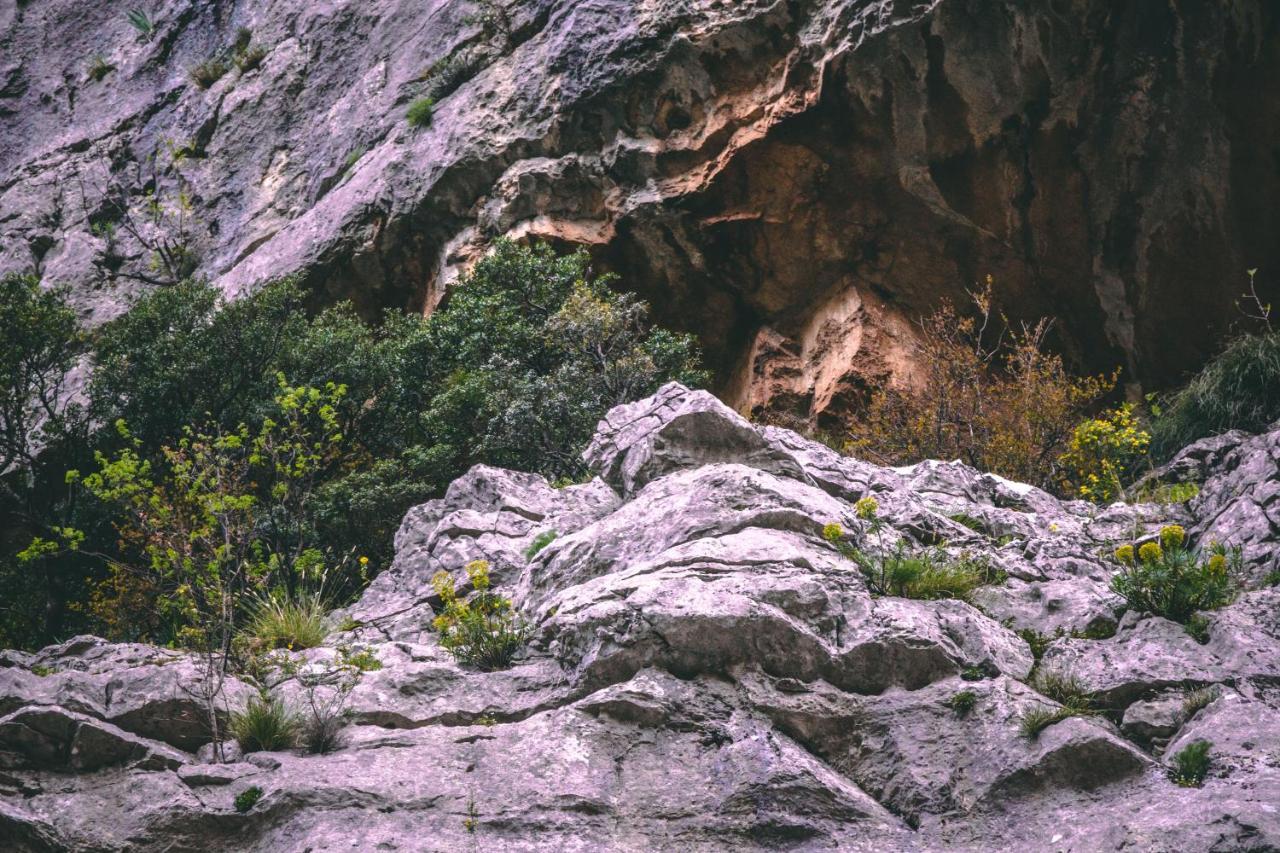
(1218, 564)
(867, 508)
(1150, 552)
(364, 561)
(1125, 554)
(832, 532)
(1172, 536)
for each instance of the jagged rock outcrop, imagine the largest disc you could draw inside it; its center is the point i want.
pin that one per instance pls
(706, 672)
(795, 181)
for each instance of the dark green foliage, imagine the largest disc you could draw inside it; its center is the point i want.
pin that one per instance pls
(974, 524)
(1038, 642)
(265, 725)
(39, 342)
(420, 112)
(1191, 764)
(248, 798)
(539, 542)
(924, 574)
(1239, 389)
(973, 673)
(963, 702)
(1272, 578)
(515, 369)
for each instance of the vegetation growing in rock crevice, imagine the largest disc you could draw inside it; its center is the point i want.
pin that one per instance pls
(1169, 579)
(480, 630)
(907, 572)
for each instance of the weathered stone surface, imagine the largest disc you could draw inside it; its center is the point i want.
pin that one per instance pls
(705, 671)
(51, 737)
(142, 689)
(796, 182)
(205, 775)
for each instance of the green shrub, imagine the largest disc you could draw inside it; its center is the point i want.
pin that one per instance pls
(1191, 764)
(208, 72)
(973, 673)
(1168, 493)
(1272, 578)
(974, 524)
(1035, 720)
(540, 541)
(265, 725)
(363, 659)
(924, 574)
(420, 112)
(514, 370)
(279, 622)
(1167, 579)
(1238, 389)
(962, 702)
(482, 631)
(248, 798)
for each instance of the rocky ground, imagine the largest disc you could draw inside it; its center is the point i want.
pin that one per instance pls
(706, 672)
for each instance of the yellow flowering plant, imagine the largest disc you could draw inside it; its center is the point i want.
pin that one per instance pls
(1172, 580)
(1102, 454)
(481, 630)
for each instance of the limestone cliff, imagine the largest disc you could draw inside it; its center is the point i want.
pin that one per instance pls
(796, 180)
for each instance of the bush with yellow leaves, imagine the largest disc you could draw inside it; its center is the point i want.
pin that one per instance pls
(1169, 579)
(1102, 454)
(481, 630)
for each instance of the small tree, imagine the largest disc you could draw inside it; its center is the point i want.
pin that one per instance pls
(221, 520)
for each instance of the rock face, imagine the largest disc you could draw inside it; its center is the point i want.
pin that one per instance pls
(705, 671)
(797, 182)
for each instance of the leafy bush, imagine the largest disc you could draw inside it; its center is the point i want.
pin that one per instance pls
(514, 369)
(363, 660)
(279, 622)
(993, 398)
(480, 631)
(1103, 453)
(248, 798)
(963, 702)
(1191, 764)
(208, 72)
(265, 725)
(420, 112)
(1167, 579)
(1238, 389)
